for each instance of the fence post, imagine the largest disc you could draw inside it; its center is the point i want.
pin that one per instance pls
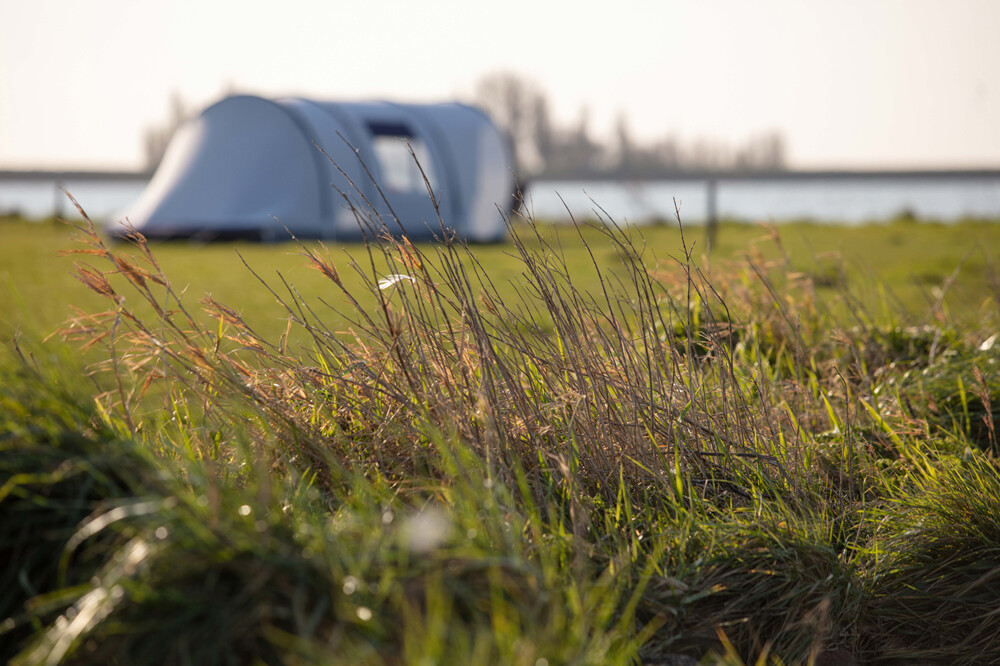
(711, 219)
(59, 201)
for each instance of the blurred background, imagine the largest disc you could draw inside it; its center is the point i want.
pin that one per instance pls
(847, 111)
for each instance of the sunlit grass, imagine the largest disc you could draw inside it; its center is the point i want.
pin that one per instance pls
(584, 446)
(898, 268)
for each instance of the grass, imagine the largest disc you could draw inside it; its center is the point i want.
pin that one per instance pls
(899, 267)
(587, 446)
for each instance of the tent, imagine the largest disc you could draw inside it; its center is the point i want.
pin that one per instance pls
(252, 167)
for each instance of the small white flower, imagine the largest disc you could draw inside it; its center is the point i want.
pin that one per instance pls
(426, 531)
(390, 280)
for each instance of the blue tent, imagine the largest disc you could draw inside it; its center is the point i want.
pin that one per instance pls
(251, 167)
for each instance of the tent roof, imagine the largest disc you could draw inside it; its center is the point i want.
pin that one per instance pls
(249, 165)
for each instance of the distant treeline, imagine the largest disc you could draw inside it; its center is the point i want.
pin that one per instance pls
(543, 149)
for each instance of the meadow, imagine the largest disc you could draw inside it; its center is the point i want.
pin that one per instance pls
(588, 445)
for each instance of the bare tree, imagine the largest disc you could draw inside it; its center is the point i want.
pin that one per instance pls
(625, 147)
(518, 106)
(545, 139)
(764, 151)
(578, 150)
(540, 147)
(157, 138)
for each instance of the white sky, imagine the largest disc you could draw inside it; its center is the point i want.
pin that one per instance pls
(852, 83)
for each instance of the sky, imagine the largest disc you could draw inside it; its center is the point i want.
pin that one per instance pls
(848, 83)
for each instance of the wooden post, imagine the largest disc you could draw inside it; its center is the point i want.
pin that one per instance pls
(711, 217)
(59, 202)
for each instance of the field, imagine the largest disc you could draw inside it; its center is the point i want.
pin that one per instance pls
(901, 263)
(585, 446)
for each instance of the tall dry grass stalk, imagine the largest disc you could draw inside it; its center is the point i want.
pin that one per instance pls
(641, 380)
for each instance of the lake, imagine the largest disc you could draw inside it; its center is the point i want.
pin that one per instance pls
(832, 197)
(38, 198)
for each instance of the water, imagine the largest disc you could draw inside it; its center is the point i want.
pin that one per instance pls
(101, 199)
(844, 200)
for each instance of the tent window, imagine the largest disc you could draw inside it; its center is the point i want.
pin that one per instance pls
(399, 171)
(389, 129)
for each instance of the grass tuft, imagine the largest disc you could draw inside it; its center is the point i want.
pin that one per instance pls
(735, 462)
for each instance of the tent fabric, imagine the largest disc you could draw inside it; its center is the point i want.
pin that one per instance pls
(249, 166)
